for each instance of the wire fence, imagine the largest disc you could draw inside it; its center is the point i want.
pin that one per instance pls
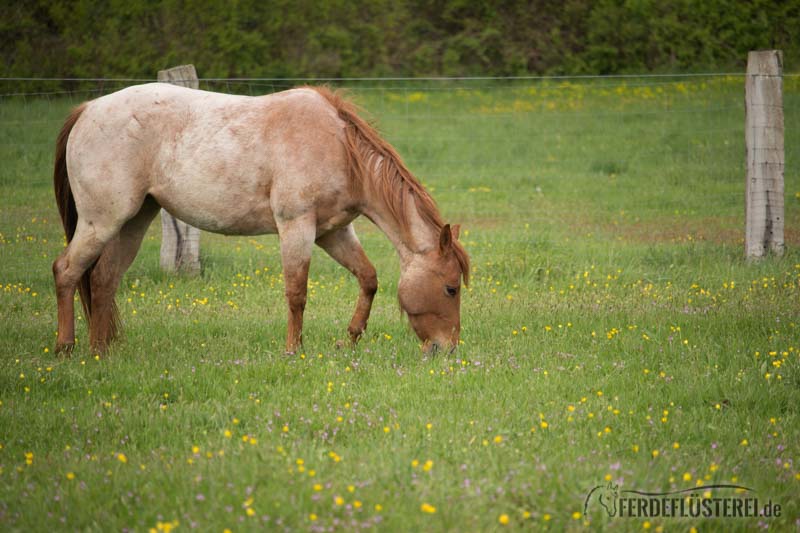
(549, 148)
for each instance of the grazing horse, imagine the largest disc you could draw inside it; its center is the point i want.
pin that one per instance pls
(299, 163)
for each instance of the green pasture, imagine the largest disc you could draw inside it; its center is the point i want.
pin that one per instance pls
(611, 332)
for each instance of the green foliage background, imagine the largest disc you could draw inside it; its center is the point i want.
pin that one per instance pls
(283, 38)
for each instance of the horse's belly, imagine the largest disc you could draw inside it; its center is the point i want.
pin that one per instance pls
(229, 216)
(255, 222)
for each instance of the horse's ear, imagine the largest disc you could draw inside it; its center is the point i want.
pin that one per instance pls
(446, 239)
(455, 231)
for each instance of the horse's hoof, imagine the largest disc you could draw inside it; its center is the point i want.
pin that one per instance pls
(355, 335)
(65, 349)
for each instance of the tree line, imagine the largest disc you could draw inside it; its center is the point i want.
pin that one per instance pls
(350, 38)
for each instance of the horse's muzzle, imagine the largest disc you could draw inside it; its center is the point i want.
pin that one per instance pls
(434, 347)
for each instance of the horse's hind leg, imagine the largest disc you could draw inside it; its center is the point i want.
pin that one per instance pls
(65, 296)
(81, 253)
(343, 246)
(115, 259)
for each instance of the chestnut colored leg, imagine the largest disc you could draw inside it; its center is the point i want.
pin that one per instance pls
(84, 249)
(117, 256)
(297, 238)
(344, 247)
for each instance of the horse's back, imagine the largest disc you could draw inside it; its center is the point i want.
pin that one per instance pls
(222, 162)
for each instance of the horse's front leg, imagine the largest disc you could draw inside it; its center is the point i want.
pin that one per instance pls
(297, 238)
(343, 246)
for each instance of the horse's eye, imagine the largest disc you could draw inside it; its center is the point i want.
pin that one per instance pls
(451, 291)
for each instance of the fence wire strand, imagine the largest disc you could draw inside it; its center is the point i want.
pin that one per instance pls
(521, 136)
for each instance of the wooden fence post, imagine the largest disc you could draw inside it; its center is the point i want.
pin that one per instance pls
(180, 242)
(765, 157)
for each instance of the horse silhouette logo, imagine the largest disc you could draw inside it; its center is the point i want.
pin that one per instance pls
(607, 496)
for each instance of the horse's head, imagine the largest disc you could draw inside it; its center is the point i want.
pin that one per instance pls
(608, 498)
(430, 291)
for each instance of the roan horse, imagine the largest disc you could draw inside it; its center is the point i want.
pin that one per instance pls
(299, 163)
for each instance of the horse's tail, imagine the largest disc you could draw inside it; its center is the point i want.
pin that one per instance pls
(66, 202)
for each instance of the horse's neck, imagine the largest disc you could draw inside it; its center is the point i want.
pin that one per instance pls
(419, 239)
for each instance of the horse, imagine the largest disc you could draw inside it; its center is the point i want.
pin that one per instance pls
(301, 163)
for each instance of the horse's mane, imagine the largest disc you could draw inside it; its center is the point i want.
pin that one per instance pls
(368, 154)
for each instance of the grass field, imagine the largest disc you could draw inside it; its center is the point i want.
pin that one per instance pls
(612, 332)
